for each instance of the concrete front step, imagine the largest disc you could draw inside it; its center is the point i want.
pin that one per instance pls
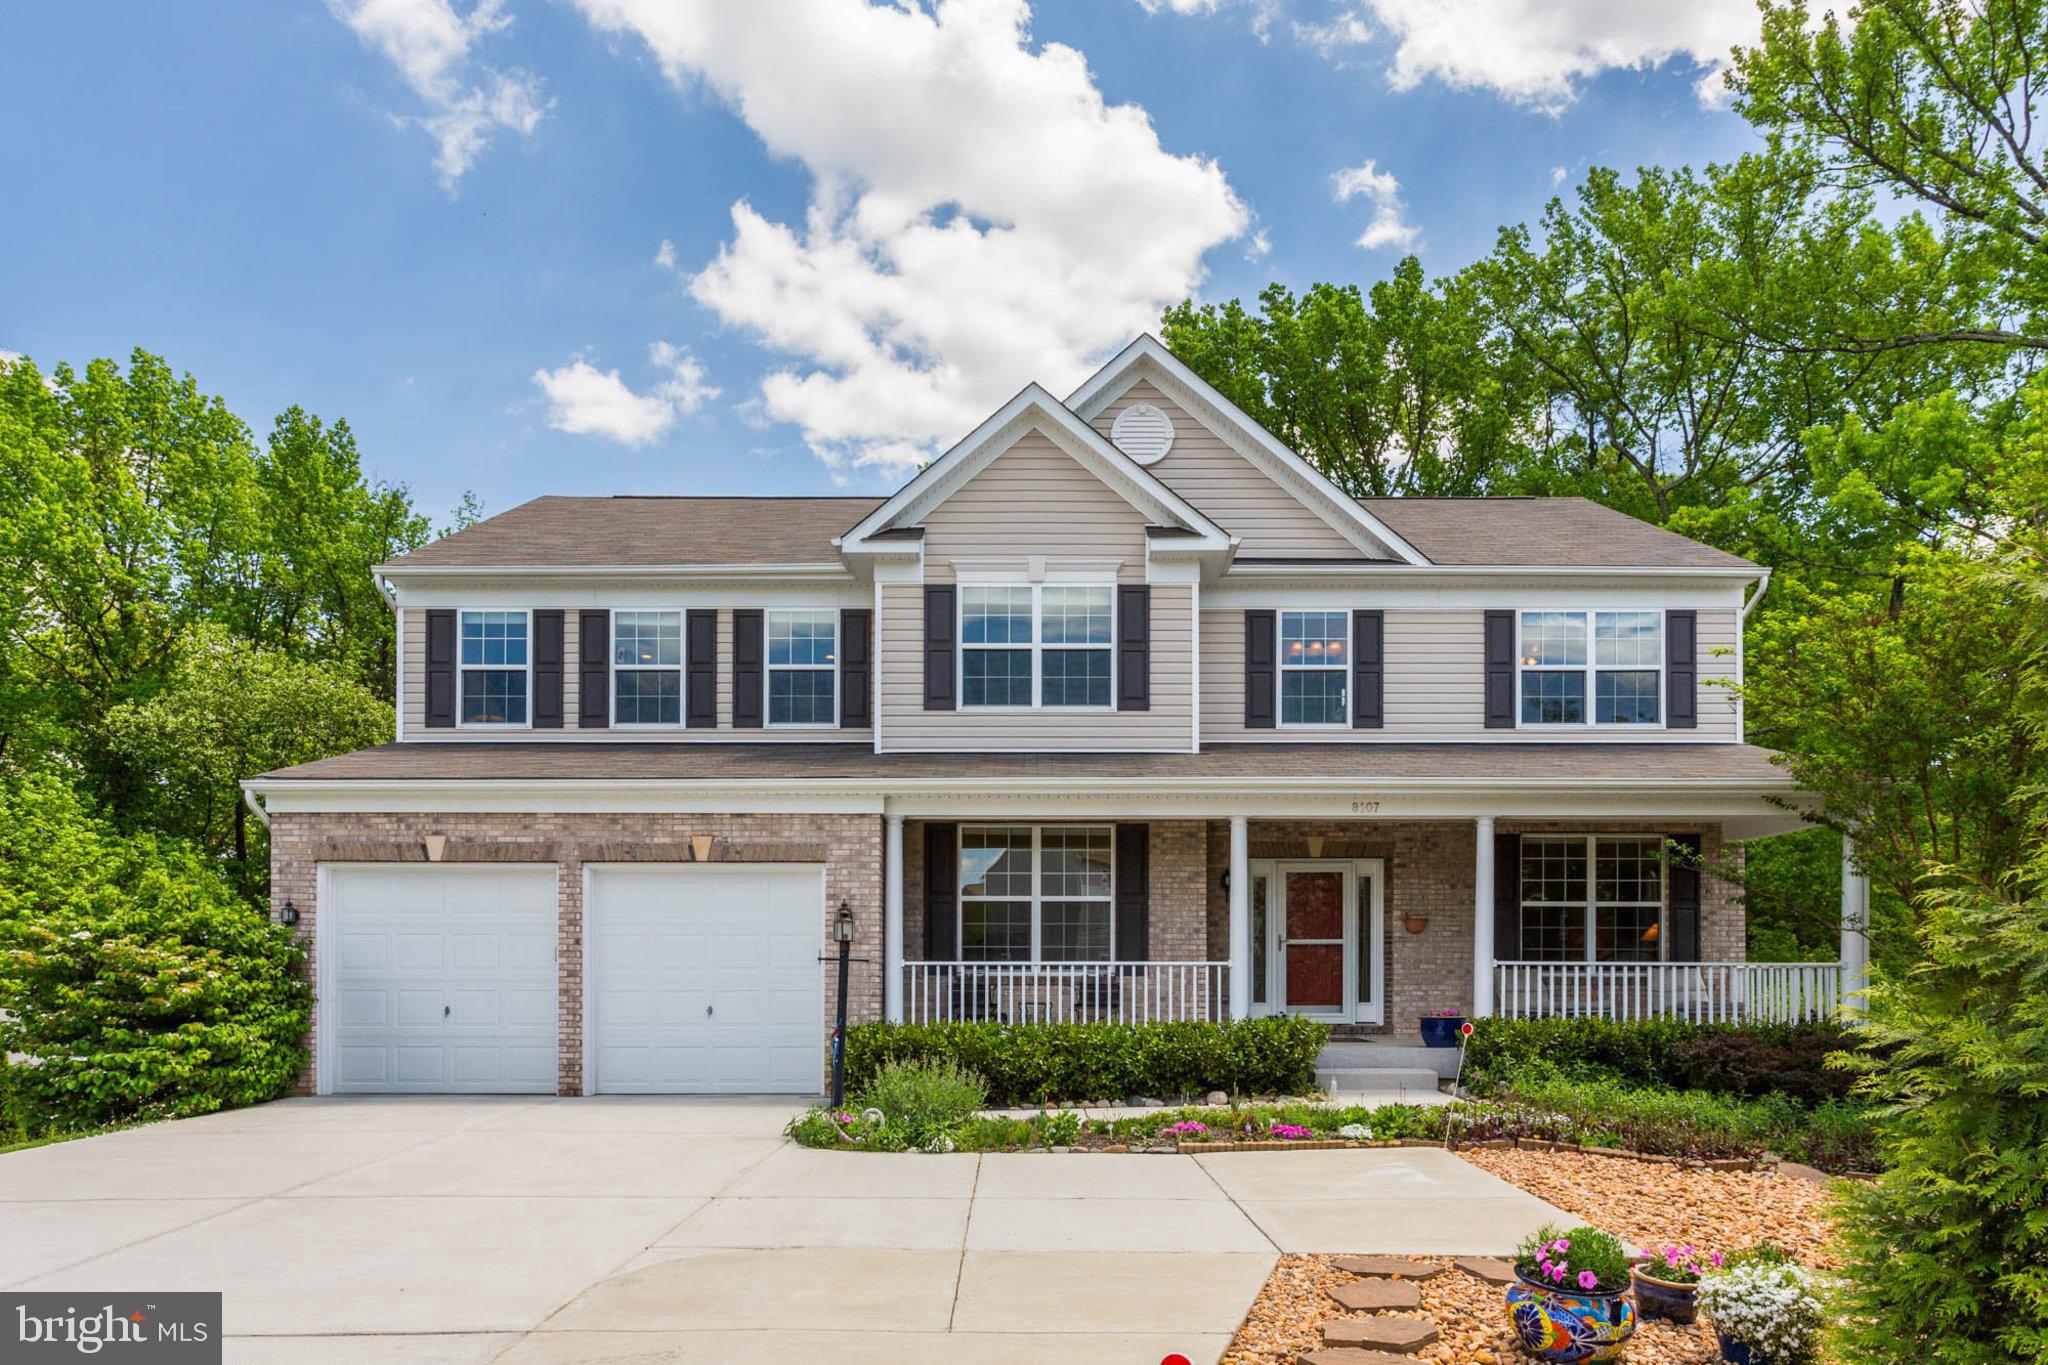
(1378, 1079)
(1378, 1296)
(1387, 1332)
(1342, 1056)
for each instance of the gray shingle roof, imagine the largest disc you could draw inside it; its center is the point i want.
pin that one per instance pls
(1551, 532)
(568, 761)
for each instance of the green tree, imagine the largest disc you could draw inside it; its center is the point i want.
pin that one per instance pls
(228, 711)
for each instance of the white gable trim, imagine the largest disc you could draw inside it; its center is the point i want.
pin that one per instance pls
(1034, 409)
(1147, 357)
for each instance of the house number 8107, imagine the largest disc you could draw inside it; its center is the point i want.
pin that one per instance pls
(1365, 808)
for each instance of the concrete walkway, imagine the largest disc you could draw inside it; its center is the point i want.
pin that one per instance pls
(394, 1229)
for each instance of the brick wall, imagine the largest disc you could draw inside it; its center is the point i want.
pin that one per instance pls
(849, 847)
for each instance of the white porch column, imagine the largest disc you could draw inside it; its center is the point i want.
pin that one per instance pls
(892, 919)
(1240, 918)
(1855, 930)
(1482, 920)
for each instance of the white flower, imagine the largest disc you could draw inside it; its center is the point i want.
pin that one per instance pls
(1355, 1132)
(939, 1145)
(1771, 1308)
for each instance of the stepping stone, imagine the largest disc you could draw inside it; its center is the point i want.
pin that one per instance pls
(1384, 1333)
(1487, 1268)
(1378, 1295)
(1350, 1355)
(1384, 1266)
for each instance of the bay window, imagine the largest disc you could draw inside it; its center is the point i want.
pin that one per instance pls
(1037, 645)
(1315, 667)
(493, 667)
(803, 667)
(1591, 898)
(647, 668)
(1597, 667)
(1037, 893)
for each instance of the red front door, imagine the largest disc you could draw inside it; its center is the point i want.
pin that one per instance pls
(1312, 930)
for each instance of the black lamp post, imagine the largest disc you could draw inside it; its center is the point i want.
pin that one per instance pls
(842, 933)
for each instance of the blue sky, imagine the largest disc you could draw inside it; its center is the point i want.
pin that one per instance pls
(446, 223)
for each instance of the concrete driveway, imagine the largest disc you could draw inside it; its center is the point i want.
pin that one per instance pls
(532, 1230)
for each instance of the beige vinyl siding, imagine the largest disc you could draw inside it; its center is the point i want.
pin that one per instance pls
(413, 644)
(1202, 467)
(906, 725)
(1033, 499)
(1436, 686)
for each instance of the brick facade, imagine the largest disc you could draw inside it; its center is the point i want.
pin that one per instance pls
(849, 847)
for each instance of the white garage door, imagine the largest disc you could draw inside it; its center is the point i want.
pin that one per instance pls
(706, 980)
(442, 978)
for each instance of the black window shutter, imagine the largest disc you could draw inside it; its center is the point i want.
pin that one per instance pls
(441, 670)
(1134, 647)
(1261, 660)
(1368, 669)
(594, 670)
(547, 670)
(1685, 899)
(941, 892)
(940, 611)
(1133, 891)
(1507, 897)
(856, 669)
(747, 686)
(1500, 670)
(1681, 670)
(700, 650)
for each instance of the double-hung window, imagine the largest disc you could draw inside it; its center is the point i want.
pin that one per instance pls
(493, 664)
(647, 668)
(1591, 898)
(1315, 667)
(1033, 645)
(1037, 893)
(803, 667)
(1592, 667)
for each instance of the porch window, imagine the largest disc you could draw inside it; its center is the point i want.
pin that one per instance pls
(1597, 667)
(1033, 646)
(1591, 898)
(803, 667)
(647, 668)
(1037, 893)
(493, 664)
(1315, 667)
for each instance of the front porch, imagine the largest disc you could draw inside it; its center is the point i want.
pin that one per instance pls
(1365, 924)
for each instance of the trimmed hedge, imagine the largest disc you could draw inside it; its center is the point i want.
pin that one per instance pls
(1038, 1063)
(1727, 1059)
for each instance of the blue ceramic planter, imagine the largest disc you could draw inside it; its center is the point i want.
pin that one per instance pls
(1664, 1299)
(1732, 1351)
(1566, 1327)
(1441, 1031)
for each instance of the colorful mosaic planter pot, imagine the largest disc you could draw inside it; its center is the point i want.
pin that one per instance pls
(1567, 1326)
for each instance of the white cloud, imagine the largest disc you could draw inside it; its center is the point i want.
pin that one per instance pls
(9, 357)
(1389, 226)
(467, 101)
(1330, 39)
(1258, 247)
(979, 216)
(1264, 12)
(586, 401)
(665, 254)
(1537, 51)
(1557, 175)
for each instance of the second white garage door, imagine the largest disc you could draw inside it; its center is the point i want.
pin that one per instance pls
(705, 979)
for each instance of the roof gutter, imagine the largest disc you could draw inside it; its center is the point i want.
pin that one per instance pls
(1757, 596)
(701, 571)
(255, 806)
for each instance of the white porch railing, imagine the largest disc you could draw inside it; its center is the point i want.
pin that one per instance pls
(1701, 992)
(1064, 992)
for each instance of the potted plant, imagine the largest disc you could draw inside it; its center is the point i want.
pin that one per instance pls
(1571, 1302)
(1440, 1027)
(1764, 1308)
(1666, 1283)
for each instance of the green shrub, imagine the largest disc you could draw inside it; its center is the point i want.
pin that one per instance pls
(923, 1100)
(1046, 1063)
(1057, 1130)
(1748, 1060)
(1682, 1123)
(1570, 1255)
(134, 983)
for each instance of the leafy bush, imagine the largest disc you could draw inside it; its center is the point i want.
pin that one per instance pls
(924, 1100)
(134, 983)
(1749, 1060)
(1044, 1063)
(1585, 1259)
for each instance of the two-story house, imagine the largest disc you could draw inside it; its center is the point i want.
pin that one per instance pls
(1117, 710)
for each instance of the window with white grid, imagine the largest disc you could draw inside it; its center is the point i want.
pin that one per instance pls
(1037, 893)
(1591, 898)
(1591, 667)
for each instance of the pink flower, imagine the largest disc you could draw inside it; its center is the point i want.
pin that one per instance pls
(1717, 1260)
(1557, 1274)
(1587, 1279)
